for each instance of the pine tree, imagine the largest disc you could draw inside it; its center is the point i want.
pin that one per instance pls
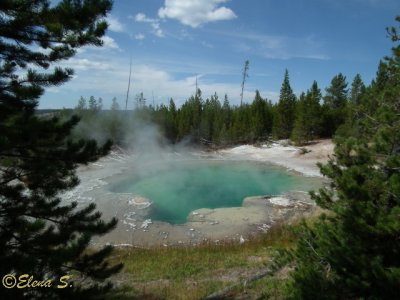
(335, 102)
(81, 104)
(189, 117)
(382, 76)
(226, 112)
(92, 104)
(39, 234)
(224, 136)
(114, 104)
(100, 104)
(261, 121)
(211, 118)
(357, 90)
(171, 128)
(300, 128)
(307, 124)
(116, 123)
(352, 252)
(355, 108)
(285, 110)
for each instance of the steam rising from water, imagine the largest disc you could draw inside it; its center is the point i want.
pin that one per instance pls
(145, 153)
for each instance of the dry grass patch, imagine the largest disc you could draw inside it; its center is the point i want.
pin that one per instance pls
(194, 272)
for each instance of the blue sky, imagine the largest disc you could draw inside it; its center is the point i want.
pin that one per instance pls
(173, 41)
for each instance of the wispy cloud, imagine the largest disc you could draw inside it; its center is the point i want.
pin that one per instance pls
(101, 75)
(139, 37)
(109, 42)
(114, 24)
(86, 64)
(194, 13)
(141, 17)
(276, 47)
(154, 23)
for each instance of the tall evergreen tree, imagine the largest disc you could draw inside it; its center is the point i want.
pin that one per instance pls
(226, 117)
(170, 122)
(189, 117)
(335, 102)
(93, 104)
(357, 90)
(245, 74)
(39, 234)
(307, 124)
(241, 124)
(81, 104)
(114, 104)
(261, 118)
(382, 76)
(355, 108)
(300, 128)
(352, 252)
(285, 110)
(100, 103)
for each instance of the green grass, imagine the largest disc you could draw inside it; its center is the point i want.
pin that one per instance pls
(195, 272)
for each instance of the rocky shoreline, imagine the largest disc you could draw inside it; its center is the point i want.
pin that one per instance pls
(234, 224)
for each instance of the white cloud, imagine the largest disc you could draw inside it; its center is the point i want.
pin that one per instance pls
(157, 30)
(139, 37)
(141, 17)
(196, 12)
(114, 24)
(154, 23)
(109, 43)
(86, 64)
(148, 79)
(277, 47)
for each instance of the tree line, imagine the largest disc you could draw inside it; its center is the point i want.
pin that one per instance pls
(212, 121)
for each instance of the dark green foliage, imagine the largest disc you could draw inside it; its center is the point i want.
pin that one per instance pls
(82, 104)
(307, 125)
(261, 118)
(165, 117)
(285, 111)
(207, 121)
(224, 136)
(39, 234)
(355, 108)
(189, 118)
(352, 252)
(357, 90)
(335, 103)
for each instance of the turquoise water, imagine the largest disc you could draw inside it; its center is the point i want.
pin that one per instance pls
(178, 188)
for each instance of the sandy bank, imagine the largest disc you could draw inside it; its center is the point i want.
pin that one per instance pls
(286, 156)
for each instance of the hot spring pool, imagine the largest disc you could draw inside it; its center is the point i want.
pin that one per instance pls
(178, 188)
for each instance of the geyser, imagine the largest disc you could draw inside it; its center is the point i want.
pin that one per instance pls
(179, 187)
